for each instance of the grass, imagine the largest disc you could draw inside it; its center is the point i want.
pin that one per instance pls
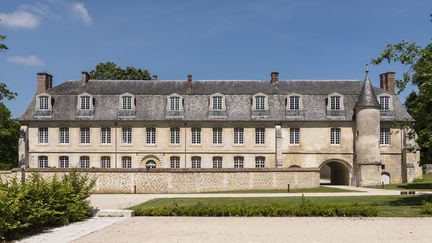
(300, 190)
(424, 184)
(387, 206)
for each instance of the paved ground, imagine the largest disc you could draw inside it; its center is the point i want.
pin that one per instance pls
(260, 229)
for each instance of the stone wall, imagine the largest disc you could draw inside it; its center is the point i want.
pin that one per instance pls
(188, 180)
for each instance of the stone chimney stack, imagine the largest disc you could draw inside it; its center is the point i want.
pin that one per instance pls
(44, 82)
(189, 81)
(387, 81)
(85, 78)
(274, 78)
(154, 77)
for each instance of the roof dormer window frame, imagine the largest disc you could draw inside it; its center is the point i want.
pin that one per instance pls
(43, 102)
(127, 102)
(389, 105)
(174, 102)
(335, 102)
(260, 102)
(85, 102)
(217, 104)
(292, 106)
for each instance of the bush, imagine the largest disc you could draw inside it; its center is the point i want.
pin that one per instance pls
(427, 207)
(39, 203)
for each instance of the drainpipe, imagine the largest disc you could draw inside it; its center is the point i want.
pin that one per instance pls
(185, 146)
(115, 144)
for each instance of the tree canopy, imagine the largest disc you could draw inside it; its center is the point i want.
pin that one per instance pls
(110, 71)
(418, 61)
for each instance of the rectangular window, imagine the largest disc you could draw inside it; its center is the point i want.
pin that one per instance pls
(259, 162)
(238, 162)
(175, 135)
(43, 135)
(43, 161)
(127, 135)
(85, 135)
(105, 135)
(105, 162)
(151, 135)
(43, 103)
(126, 102)
(126, 162)
(175, 162)
(238, 135)
(294, 103)
(294, 135)
(64, 162)
(217, 103)
(85, 102)
(217, 135)
(64, 134)
(335, 103)
(196, 135)
(174, 103)
(335, 135)
(385, 136)
(217, 162)
(196, 162)
(84, 162)
(384, 102)
(259, 135)
(259, 103)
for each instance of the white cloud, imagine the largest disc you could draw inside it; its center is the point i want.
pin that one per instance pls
(26, 60)
(19, 19)
(37, 8)
(80, 12)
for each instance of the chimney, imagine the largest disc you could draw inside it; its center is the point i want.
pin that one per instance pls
(189, 81)
(44, 82)
(154, 77)
(274, 78)
(387, 81)
(85, 78)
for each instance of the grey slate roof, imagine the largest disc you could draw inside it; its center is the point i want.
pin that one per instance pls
(367, 97)
(151, 99)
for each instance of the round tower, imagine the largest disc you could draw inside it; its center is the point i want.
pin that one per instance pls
(367, 165)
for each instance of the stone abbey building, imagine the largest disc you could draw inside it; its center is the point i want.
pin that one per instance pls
(346, 128)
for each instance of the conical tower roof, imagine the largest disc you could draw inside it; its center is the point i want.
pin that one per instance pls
(367, 96)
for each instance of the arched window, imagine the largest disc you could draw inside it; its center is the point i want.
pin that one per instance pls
(84, 162)
(127, 162)
(196, 162)
(174, 162)
(217, 162)
(238, 162)
(64, 162)
(43, 161)
(105, 162)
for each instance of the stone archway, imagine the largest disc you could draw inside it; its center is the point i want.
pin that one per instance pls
(335, 172)
(385, 178)
(150, 160)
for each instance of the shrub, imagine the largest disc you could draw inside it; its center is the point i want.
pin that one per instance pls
(427, 207)
(39, 203)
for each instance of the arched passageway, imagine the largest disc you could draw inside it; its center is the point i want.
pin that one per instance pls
(335, 172)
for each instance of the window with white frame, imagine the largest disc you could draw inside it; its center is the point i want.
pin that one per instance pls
(151, 135)
(126, 102)
(174, 103)
(335, 103)
(335, 134)
(217, 102)
(84, 162)
(217, 135)
(64, 162)
(259, 162)
(294, 102)
(43, 161)
(174, 162)
(196, 135)
(105, 162)
(85, 102)
(385, 136)
(43, 134)
(127, 135)
(294, 135)
(105, 135)
(196, 162)
(126, 162)
(259, 135)
(238, 135)
(64, 135)
(238, 162)
(85, 135)
(44, 103)
(384, 102)
(217, 162)
(260, 102)
(175, 135)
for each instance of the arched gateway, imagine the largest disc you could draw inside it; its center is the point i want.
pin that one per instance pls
(338, 172)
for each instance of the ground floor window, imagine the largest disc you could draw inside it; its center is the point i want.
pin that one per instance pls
(64, 161)
(84, 162)
(217, 162)
(238, 162)
(43, 161)
(105, 162)
(196, 162)
(259, 162)
(126, 162)
(175, 162)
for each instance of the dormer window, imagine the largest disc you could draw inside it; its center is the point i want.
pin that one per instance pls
(259, 103)
(385, 102)
(335, 102)
(294, 102)
(85, 105)
(127, 102)
(43, 103)
(175, 103)
(85, 102)
(217, 102)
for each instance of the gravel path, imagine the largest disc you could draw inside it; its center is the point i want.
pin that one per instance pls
(260, 229)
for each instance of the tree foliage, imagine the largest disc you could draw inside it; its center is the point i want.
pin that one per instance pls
(418, 61)
(2, 46)
(110, 71)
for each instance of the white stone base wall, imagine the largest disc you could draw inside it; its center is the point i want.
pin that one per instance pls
(188, 180)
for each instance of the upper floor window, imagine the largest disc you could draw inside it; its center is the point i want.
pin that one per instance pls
(196, 135)
(127, 135)
(238, 135)
(85, 102)
(151, 135)
(335, 135)
(238, 162)
(43, 135)
(126, 102)
(259, 162)
(175, 135)
(175, 103)
(105, 162)
(294, 102)
(385, 102)
(217, 135)
(126, 162)
(196, 162)
(217, 162)
(84, 162)
(64, 135)
(174, 162)
(105, 135)
(85, 135)
(43, 161)
(294, 135)
(335, 102)
(259, 135)
(259, 102)
(385, 136)
(217, 102)
(44, 103)
(64, 162)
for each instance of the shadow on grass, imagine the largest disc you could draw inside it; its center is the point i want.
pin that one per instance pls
(416, 186)
(411, 200)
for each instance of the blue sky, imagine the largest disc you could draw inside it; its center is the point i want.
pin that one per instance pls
(225, 39)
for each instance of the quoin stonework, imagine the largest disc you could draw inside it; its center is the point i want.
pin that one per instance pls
(128, 129)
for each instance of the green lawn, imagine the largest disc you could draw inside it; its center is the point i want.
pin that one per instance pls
(387, 206)
(301, 190)
(424, 184)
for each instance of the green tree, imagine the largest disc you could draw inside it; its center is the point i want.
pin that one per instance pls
(2, 46)
(110, 71)
(418, 61)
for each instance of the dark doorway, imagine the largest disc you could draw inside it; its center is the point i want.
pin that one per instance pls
(334, 173)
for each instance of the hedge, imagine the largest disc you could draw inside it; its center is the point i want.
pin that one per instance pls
(427, 207)
(37, 204)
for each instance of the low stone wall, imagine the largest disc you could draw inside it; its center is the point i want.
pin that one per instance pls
(187, 180)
